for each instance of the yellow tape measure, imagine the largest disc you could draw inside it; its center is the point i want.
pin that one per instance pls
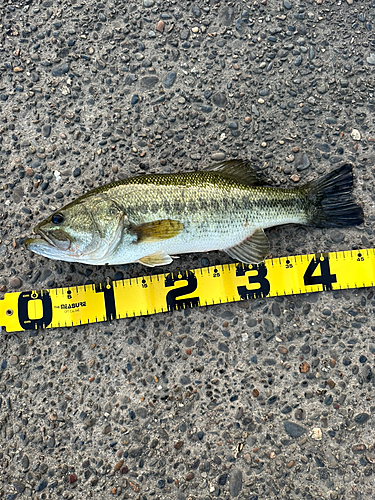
(146, 295)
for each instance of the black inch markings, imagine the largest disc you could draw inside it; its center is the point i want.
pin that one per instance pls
(186, 289)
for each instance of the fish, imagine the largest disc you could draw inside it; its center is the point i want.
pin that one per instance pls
(150, 219)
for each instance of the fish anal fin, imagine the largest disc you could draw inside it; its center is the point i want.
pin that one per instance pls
(156, 259)
(240, 170)
(253, 250)
(157, 230)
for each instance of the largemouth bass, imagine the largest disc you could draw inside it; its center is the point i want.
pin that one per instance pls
(151, 218)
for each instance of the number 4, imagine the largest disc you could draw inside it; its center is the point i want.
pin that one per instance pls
(325, 278)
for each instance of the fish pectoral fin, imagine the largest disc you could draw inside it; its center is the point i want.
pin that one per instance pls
(156, 259)
(157, 230)
(240, 170)
(253, 250)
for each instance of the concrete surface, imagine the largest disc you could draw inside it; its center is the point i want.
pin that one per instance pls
(266, 399)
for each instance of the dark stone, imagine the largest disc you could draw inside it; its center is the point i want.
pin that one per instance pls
(235, 482)
(294, 430)
(268, 325)
(149, 82)
(25, 462)
(46, 130)
(239, 25)
(361, 418)
(223, 347)
(328, 400)
(141, 412)
(286, 409)
(185, 380)
(227, 315)
(227, 15)
(324, 147)
(61, 70)
(19, 487)
(169, 79)
(41, 485)
(131, 414)
(83, 368)
(45, 274)
(196, 11)
(219, 99)
(222, 479)
(206, 109)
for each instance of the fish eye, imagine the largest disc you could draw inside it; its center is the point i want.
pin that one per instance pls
(57, 219)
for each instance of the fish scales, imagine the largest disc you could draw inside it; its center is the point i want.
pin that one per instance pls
(214, 209)
(149, 218)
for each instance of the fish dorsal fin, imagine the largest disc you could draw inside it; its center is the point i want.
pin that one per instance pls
(238, 169)
(156, 259)
(157, 230)
(253, 250)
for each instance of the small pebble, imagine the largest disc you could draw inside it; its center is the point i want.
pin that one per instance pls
(361, 418)
(304, 367)
(235, 482)
(359, 448)
(218, 156)
(178, 445)
(15, 283)
(169, 79)
(13, 360)
(294, 430)
(119, 465)
(317, 434)
(355, 134)
(219, 99)
(46, 130)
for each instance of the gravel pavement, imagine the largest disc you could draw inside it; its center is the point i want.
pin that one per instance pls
(258, 400)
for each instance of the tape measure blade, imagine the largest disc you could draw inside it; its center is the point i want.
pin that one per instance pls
(87, 304)
(9, 312)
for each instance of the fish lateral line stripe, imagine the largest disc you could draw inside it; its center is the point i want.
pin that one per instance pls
(184, 289)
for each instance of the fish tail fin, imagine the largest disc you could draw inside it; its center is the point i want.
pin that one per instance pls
(332, 198)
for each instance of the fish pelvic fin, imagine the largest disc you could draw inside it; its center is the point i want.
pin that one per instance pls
(240, 170)
(253, 250)
(156, 259)
(158, 230)
(331, 199)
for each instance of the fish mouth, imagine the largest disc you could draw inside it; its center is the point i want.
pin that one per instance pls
(57, 239)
